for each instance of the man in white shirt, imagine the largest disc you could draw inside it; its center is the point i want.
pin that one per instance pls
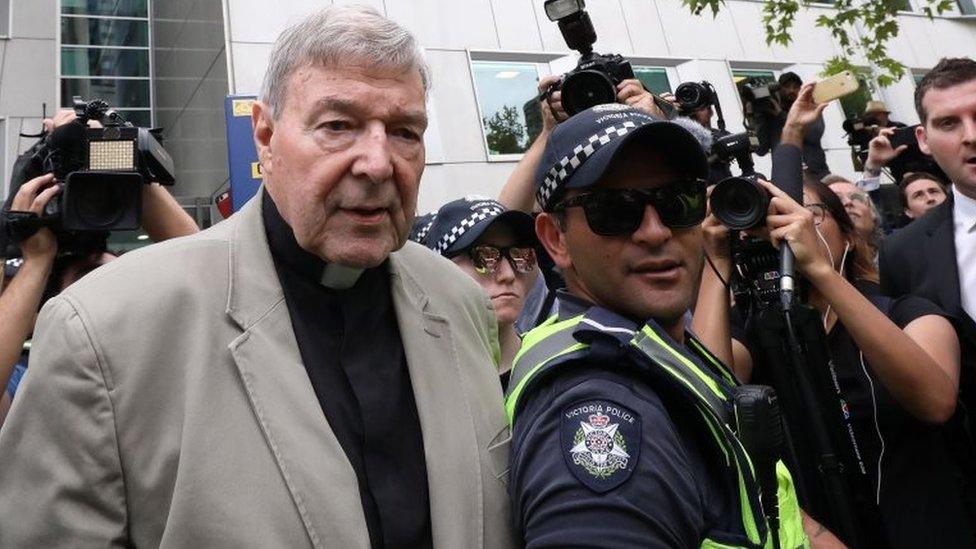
(935, 256)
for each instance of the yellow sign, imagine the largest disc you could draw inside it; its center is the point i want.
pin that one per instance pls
(256, 172)
(242, 107)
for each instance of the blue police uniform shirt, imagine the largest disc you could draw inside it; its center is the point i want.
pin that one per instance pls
(659, 483)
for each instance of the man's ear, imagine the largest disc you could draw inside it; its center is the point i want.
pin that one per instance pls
(922, 139)
(263, 123)
(908, 214)
(553, 239)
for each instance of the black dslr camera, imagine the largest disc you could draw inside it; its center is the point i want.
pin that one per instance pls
(692, 96)
(101, 171)
(594, 80)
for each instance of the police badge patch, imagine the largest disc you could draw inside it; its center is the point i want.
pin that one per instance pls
(600, 441)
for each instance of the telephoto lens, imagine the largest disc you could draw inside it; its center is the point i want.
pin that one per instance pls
(740, 202)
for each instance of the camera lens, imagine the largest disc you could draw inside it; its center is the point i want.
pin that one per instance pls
(691, 96)
(740, 203)
(584, 89)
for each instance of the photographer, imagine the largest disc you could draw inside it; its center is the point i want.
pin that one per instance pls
(771, 122)
(44, 272)
(896, 361)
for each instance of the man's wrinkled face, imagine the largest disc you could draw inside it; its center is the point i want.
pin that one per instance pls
(949, 133)
(344, 157)
(651, 273)
(921, 196)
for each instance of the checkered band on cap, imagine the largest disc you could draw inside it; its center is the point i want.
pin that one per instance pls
(422, 233)
(486, 212)
(564, 168)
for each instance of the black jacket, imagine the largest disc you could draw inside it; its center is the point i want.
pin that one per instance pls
(920, 259)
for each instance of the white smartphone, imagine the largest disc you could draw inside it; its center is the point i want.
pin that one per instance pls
(834, 87)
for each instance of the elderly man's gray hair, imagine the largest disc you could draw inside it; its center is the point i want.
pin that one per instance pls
(336, 35)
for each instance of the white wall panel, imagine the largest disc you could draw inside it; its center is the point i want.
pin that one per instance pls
(34, 19)
(447, 24)
(263, 21)
(699, 37)
(443, 183)
(646, 31)
(453, 100)
(517, 26)
(612, 35)
(29, 77)
(249, 62)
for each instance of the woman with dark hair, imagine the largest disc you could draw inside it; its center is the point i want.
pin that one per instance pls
(896, 361)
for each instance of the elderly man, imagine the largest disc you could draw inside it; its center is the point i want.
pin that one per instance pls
(291, 377)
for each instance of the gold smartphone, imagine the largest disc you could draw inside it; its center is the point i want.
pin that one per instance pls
(836, 86)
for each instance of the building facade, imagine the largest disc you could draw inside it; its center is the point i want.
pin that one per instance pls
(174, 60)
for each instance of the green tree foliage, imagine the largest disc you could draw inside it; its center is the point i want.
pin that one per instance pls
(505, 132)
(860, 27)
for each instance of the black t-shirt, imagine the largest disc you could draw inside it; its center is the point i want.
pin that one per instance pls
(919, 499)
(350, 345)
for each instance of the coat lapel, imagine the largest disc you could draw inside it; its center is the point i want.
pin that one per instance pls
(941, 259)
(312, 464)
(453, 476)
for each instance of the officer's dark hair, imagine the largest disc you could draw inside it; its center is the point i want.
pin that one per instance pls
(918, 176)
(949, 72)
(790, 78)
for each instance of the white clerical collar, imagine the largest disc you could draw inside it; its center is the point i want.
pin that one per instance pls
(963, 211)
(339, 277)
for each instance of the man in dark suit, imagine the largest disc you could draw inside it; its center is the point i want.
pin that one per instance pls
(935, 256)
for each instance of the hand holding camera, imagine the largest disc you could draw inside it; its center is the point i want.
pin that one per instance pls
(790, 222)
(32, 197)
(881, 151)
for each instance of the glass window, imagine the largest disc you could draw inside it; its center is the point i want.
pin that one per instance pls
(141, 118)
(117, 93)
(104, 32)
(507, 94)
(739, 75)
(104, 62)
(903, 5)
(654, 79)
(122, 8)
(855, 103)
(917, 77)
(966, 7)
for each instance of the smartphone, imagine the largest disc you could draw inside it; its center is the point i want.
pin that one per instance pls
(903, 136)
(836, 86)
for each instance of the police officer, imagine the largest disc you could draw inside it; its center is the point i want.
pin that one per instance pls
(623, 430)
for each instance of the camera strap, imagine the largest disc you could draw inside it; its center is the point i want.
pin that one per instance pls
(20, 226)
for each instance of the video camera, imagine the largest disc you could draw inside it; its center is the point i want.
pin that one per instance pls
(758, 92)
(101, 172)
(594, 80)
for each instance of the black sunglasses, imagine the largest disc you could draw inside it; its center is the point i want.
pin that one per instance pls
(612, 212)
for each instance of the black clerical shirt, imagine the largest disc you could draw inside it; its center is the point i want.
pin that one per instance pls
(350, 344)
